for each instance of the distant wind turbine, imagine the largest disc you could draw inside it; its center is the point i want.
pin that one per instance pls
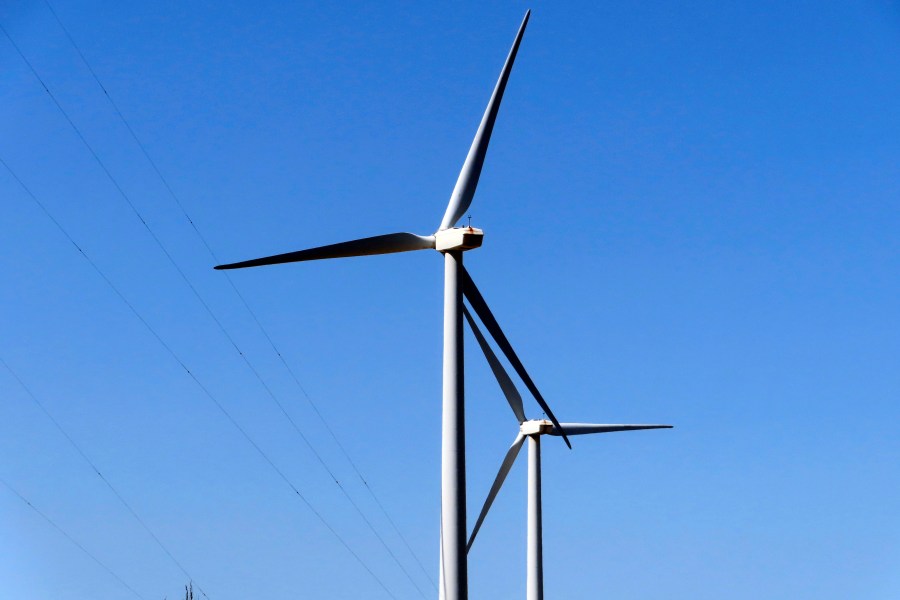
(532, 430)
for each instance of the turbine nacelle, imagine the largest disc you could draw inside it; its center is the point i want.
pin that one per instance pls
(458, 238)
(536, 427)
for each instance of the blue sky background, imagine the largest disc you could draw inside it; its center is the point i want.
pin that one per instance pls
(691, 217)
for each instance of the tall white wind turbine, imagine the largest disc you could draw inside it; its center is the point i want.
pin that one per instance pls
(532, 430)
(451, 241)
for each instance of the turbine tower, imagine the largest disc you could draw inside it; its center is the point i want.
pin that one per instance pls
(532, 430)
(452, 242)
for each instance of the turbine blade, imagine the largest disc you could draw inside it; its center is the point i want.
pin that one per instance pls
(464, 190)
(380, 244)
(583, 428)
(484, 313)
(503, 378)
(505, 467)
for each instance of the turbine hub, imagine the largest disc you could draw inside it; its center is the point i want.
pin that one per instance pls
(458, 238)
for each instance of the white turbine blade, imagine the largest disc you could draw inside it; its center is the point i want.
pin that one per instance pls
(505, 466)
(464, 190)
(380, 244)
(583, 428)
(484, 313)
(503, 378)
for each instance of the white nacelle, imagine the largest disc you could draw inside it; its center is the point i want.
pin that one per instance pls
(536, 427)
(458, 238)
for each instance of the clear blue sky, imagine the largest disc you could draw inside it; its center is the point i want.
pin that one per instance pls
(691, 216)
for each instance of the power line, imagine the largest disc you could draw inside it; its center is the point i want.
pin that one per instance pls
(193, 377)
(243, 301)
(96, 470)
(70, 538)
(205, 305)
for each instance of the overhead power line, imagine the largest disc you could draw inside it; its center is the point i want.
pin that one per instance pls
(70, 538)
(193, 377)
(207, 307)
(96, 470)
(209, 310)
(244, 302)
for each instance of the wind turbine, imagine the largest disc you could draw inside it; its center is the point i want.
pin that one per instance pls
(532, 430)
(452, 242)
